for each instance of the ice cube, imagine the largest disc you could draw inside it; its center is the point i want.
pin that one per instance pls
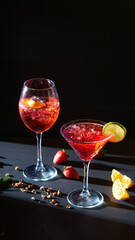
(74, 126)
(92, 130)
(36, 99)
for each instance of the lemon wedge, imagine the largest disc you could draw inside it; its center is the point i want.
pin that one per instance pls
(119, 192)
(125, 180)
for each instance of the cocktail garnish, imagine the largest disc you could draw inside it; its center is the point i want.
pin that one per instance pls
(33, 104)
(117, 130)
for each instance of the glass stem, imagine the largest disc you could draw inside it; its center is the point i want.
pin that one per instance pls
(39, 166)
(85, 192)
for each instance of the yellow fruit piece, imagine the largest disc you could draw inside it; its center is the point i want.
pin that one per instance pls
(115, 175)
(33, 104)
(119, 192)
(125, 181)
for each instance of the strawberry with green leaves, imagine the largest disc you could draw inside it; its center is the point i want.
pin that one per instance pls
(60, 157)
(70, 172)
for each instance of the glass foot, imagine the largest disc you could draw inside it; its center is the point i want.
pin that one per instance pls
(44, 175)
(95, 199)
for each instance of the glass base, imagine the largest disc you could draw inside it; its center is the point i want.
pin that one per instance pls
(94, 200)
(44, 175)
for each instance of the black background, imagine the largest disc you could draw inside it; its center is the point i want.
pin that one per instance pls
(85, 47)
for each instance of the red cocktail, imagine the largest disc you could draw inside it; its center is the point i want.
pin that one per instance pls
(39, 114)
(86, 138)
(39, 109)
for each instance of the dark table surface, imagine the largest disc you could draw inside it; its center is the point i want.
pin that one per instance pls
(22, 218)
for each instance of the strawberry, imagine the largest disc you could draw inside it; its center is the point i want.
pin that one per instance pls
(60, 157)
(70, 172)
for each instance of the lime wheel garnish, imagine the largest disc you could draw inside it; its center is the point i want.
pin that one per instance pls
(116, 130)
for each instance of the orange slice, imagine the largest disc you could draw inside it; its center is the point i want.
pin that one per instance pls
(33, 104)
(125, 181)
(119, 192)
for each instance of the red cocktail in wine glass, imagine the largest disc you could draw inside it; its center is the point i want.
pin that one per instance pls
(39, 109)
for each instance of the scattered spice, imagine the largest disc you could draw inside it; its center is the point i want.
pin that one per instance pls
(54, 193)
(30, 186)
(49, 196)
(7, 175)
(53, 201)
(34, 191)
(49, 192)
(16, 168)
(56, 204)
(42, 188)
(19, 184)
(33, 198)
(68, 206)
(22, 190)
(49, 189)
(58, 193)
(43, 196)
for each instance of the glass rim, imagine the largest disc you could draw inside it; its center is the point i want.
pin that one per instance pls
(83, 120)
(40, 78)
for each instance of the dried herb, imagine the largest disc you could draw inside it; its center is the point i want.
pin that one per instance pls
(5, 182)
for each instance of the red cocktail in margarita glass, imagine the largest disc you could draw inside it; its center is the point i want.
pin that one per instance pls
(86, 138)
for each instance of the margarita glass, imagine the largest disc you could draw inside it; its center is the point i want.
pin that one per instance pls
(86, 138)
(39, 109)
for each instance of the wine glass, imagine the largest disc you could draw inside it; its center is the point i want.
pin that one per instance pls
(39, 109)
(86, 138)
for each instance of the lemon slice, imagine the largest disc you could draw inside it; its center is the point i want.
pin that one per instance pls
(119, 192)
(125, 180)
(117, 130)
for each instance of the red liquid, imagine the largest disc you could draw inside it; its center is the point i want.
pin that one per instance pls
(41, 117)
(85, 138)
